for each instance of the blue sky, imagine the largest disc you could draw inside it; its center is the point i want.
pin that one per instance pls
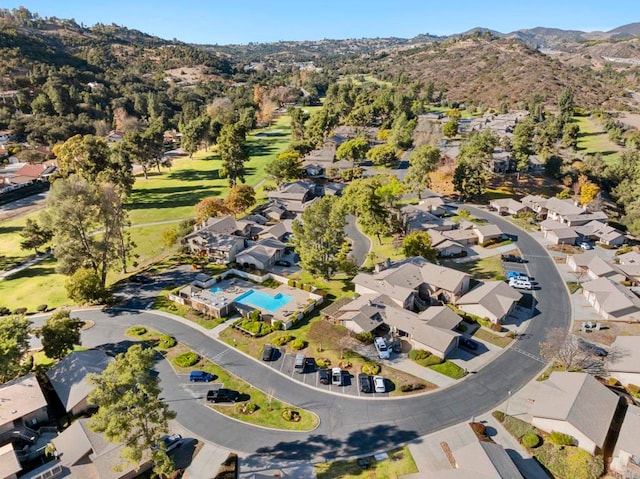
(244, 21)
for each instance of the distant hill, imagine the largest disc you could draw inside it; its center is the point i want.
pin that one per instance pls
(625, 31)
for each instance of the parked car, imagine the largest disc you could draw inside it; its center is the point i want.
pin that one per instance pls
(382, 348)
(469, 344)
(520, 283)
(222, 395)
(592, 348)
(336, 376)
(518, 275)
(364, 382)
(200, 376)
(512, 258)
(171, 441)
(309, 364)
(585, 246)
(300, 363)
(378, 384)
(268, 352)
(282, 262)
(323, 376)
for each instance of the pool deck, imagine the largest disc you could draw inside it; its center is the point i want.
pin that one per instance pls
(235, 287)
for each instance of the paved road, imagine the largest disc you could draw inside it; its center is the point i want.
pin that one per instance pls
(360, 244)
(349, 426)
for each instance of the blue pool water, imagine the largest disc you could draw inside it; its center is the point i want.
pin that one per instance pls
(215, 289)
(263, 301)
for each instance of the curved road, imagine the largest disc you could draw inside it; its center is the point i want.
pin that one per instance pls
(350, 426)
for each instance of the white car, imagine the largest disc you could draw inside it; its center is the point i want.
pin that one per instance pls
(520, 283)
(585, 246)
(378, 384)
(382, 348)
(336, 376)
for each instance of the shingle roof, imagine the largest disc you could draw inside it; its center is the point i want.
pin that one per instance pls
(626, 355)
(440, 317)
(487, 459)
(495, 296)
(20, 397)
(564, 233)
(563, 207)
(628, 437)
(612, 297)
(9, 463)
(579, 399)
(69, 376)
(489, 230)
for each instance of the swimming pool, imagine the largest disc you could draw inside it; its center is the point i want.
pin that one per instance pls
(216, 289)
(263, 301)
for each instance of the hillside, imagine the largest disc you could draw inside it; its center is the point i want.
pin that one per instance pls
(486, 70)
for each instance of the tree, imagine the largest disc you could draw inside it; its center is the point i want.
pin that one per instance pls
(450, 128)
(562, 349)
(130, 411)
(210, 207)
(522, 142)
(422, 162)
(286, 166)
(33, 236)
(319, 237)
(298, 119)
(352, 150)
(232, 149)
(90, 158)
(469, 179)
(84, 286)
(14, 343)
(588, 192)
(570, 135)
(566, 105)
(144, 147)
(240, 198)
(361, 200)
(400, 134)
(478, 148)
(419, 243)
(88, 224)
(382, 154)
(60, 333)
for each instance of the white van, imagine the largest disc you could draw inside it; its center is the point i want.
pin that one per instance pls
(382, 348)
(520, 283)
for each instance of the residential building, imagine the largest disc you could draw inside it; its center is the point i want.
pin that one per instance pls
(593, 266)
(9, 463)
(624, 362)
(508, 206)
(114, 136)
(494, 300)
(294, 197)
(611, 300)
(626, 454)
(462, 236)
(488, 232)
(420, 218)
(536, 203)
(217, 247)
(23, 404)
(69, 378)
(262, 254)
(445, 247)
(578, 405)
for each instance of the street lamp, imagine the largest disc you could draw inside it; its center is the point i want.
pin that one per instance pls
(506, 409)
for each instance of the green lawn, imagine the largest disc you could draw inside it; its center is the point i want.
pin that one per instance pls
(594, 139)
(385, 250)
(34, 286)
(400, 462)
(488, 336)
(449, 369)
(10, 252)
(485, 268)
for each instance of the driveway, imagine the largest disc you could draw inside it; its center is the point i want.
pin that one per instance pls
(360, 244)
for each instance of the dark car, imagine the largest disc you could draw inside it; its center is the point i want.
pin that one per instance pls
(282, 262)
(468, 343)
(591, 348)
(222, 395)
(200, 376)
(268, 352)
(512, 258)
(324, 376)
(171, 441)
(364, 381)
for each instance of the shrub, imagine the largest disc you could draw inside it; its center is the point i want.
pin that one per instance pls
(20, 311)
(41, 308)
(254, 315)
(137, 331)
(560, 439)
(277, 325)
(291, 283)
(298, 344)
(499, 415)
(405, 388)
(530, 440)
(479, 428)
(4, 311)
(323, 362)
(371, 368)
(308, 287)
(166, 341)
(500, 277)
(84, 286)
(284, 339)
(291, 415)
(257, 328)
(612, 382)
(365, 337)
(461, 327)
(247, 408)
(496, 327)
(418, 354)
(634, 390)
(188, 359)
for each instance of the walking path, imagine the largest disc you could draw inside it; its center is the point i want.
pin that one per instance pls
(23, 266)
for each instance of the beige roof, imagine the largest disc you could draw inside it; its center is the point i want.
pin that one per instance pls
(20, 397)
(440, 317)
(564, 207)
(69, 376)
(293, 191)
(487, 459)
(550, 224)
(509, 203)
(495, 296)
(489, 230)
(534, 200)
(612, 297)
(9, 463)
(628, 438)
(398, 282)
(440, 277)
(594, 263)
(625, 355)
(460, 235)
(580, 400)
(632, 257)
(564, 233)
(263, 250)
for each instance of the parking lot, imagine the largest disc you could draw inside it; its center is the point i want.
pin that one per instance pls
(285, 362)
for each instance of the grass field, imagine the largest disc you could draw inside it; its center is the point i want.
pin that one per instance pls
(594, 139)
(164, 197)
(485, 268)
(399, 463)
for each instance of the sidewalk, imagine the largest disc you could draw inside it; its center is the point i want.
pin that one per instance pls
(407, 365)
(25, 265)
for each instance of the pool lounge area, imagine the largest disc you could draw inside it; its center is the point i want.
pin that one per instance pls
(227, 296)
